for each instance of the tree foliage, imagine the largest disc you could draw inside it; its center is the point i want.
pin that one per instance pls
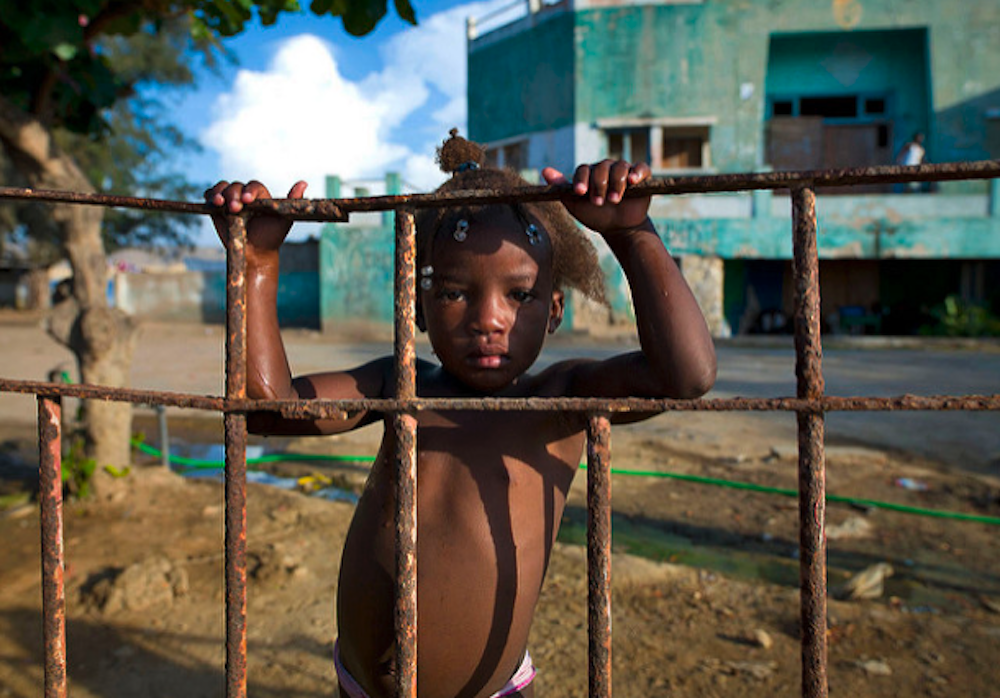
(55, 55)
(99, 73)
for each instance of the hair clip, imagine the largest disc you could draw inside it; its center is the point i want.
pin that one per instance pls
(533, 235)
(426, 273)
(466, 166)
(461, 230)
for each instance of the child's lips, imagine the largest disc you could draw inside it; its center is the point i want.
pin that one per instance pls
(488, 357)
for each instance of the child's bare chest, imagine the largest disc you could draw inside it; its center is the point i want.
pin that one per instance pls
(516, 466)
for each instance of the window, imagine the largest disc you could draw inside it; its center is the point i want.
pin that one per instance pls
(875, 106)
(629, 144)
(830, 107)
(684, 148)
(849, 107)
(664, 144)
(512, 154)
(783, 107)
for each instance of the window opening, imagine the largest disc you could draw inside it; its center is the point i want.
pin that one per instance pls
(829, 107)
(875, 106)
(664, 147)
(783, 107)
(514, 156)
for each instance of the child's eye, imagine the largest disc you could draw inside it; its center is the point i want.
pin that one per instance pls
(451, 294)
(522, 296)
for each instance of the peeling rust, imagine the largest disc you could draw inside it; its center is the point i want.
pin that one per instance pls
(236, 461)
(405, 616)
(812, 465)
(314, 409)
(53, 553)
(405, 428)
(599, 554)
(339, 209)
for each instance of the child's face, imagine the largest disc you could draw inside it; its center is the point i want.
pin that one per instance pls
(491, 302)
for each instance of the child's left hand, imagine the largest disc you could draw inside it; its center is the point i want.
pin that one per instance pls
(605, 210)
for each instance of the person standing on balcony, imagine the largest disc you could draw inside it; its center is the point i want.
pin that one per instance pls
(912, 153)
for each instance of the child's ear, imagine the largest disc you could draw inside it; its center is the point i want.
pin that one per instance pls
(556, 310)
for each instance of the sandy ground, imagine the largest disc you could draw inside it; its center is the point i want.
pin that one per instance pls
(705, 600)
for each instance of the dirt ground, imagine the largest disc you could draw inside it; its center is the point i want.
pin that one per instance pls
(704, 603)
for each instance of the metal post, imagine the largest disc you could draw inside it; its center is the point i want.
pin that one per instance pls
(405, 427)
(812, 471)
(161, 423)
(599, 554)
(236, 463)
(53, 553)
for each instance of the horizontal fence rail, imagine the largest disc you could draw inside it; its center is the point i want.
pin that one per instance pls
(319, 408)
(810, 405)
(339, 209)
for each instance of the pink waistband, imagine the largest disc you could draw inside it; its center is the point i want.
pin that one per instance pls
(524, 675)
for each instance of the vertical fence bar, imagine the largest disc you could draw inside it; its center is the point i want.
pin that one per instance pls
(599, 554)
(812, 469)
(405, 428)
(53, 553)
(236, 463)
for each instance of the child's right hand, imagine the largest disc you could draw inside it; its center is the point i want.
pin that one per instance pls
(264, 233)
(599, 202)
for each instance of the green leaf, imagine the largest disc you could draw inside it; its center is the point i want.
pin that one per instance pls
(405, 11)
(361, 17)
(65, 52)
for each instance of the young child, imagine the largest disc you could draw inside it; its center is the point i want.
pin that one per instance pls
(491, 486)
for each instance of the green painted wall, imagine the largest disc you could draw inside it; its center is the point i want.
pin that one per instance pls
(356, 266)
(523, 84)
(873, 229)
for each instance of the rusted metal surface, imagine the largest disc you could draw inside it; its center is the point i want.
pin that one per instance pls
(53, 553)
(313, 409)
(236, 461)
(812, 466)
(599, 554)
(299, 209)
(405, 428)
(405, 616)
(339, 209)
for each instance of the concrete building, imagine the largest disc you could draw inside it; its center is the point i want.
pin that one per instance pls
(713, 86)
(357, 261)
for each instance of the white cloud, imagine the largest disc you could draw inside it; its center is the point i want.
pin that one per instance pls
(301, 118)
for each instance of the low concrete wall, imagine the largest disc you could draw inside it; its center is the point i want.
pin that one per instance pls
(200, 296)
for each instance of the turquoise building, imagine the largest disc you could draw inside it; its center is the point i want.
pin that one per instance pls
(714, 86)
(357, 262)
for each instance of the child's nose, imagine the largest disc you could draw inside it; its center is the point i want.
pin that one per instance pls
(490, 315)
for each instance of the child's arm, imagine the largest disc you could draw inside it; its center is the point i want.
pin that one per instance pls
(268, 373)
(678, 357)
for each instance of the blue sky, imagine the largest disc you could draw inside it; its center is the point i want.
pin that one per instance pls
(306, 100)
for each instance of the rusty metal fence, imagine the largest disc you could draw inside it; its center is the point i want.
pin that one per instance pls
(810, 405)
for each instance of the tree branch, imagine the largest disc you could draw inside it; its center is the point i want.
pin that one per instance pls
(29, 143)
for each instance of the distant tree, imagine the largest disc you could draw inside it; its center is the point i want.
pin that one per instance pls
(74, 116)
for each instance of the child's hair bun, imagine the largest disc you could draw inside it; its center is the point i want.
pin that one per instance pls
(459, 155)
